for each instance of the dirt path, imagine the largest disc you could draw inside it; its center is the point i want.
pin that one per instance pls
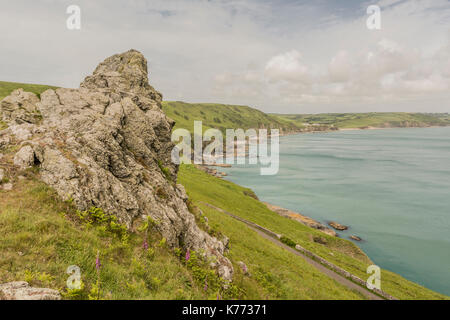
(337, 277)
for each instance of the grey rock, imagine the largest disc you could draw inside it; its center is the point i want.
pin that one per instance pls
(182, 192)
(19, 107)
(2, 173)
(103, 145)
(24, 158)
(21, 290)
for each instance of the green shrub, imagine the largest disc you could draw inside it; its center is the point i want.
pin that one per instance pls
(105, 223)
(287, 241)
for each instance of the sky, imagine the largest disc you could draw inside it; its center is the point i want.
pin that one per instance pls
(282, 56)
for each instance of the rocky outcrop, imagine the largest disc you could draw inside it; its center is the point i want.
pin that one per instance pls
(337, 226)
(108, 145)
(301, 218)
(21, 290)
(20, 107)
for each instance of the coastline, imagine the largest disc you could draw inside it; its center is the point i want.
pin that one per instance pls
(307, 221)
(357, 128)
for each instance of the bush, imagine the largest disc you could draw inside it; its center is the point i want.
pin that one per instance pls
(104, 222)
(288, 241)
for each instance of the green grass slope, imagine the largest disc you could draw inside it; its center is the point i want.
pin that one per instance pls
(202, 187)
(42, 236)
(365, 120)
(220, 116)
(7, 87)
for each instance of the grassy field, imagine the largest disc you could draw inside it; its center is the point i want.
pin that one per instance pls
(365, 120)
(7, 87)
(202, 187)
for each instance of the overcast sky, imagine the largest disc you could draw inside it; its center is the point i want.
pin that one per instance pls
(286, 56)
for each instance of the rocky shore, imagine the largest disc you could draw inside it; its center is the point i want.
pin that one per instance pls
(301, 218)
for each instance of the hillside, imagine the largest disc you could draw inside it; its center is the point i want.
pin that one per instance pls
(220, 116)
(149, 237)
(367, 120)
(203, 188)
(44, 235)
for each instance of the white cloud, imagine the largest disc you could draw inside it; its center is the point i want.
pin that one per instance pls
(287, 66)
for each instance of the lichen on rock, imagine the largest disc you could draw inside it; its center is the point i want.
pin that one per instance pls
(104, 145)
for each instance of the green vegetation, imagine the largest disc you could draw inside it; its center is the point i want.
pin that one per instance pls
(287, 241)
(249, 247)
(7, 87)
(227, 116)
(365, 120)
(221, 116)
(42, 236)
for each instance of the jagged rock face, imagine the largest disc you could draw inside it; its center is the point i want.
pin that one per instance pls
(106, 144)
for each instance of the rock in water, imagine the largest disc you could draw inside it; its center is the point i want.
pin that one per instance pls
(337, 226)
(106, 145)
(356, 238)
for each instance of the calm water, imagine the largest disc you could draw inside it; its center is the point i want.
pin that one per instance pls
(392, 187)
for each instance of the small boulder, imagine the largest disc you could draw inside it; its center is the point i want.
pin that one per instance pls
(337, 226)
(2, 174)
(21, 290)
(24, 158)
(356, 238)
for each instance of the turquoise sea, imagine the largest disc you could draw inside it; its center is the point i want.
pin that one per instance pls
(391, 186)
